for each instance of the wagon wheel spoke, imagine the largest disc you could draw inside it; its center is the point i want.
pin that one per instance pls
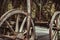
(54, 35)
(22, 25)
(10, 26)
(33, 28)
(17, 24)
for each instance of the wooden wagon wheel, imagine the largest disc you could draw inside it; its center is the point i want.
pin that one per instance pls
(15, 21)
(55, 26)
